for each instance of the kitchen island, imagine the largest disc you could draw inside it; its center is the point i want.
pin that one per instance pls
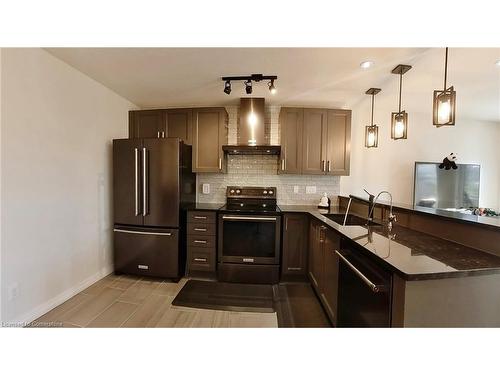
(435, 282)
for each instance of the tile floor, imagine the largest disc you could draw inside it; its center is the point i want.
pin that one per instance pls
(126, 301)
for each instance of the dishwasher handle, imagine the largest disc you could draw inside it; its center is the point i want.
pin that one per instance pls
(374, 287)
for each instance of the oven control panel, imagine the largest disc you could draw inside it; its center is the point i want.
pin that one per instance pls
(251, 192)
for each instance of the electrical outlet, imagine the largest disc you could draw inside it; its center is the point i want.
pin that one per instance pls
(206, 188)
(296, 189)
(310, 189)
(13, 291)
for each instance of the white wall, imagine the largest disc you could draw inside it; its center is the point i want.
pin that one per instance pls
(57, 127)
(391, 165)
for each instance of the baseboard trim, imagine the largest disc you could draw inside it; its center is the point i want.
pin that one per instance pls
(60, 298)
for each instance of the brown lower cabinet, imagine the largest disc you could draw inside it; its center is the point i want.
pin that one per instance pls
(201, 244)
(295, 243)
(323, 266)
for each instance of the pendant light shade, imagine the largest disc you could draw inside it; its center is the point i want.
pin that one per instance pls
(444, 101)
(399, 119)
(371, 131)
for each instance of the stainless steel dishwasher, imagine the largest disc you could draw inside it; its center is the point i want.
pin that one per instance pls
(365, 291)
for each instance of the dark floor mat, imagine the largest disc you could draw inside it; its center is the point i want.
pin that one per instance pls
(298, 306)
(226, 296)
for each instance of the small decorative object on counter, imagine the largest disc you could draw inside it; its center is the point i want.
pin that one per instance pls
(479, 211)
(324, 202)
(449, 162)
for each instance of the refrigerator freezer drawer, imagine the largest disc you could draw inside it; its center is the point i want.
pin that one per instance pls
(147, 252)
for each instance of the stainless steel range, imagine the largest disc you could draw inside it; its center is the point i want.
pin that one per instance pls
(249, 236)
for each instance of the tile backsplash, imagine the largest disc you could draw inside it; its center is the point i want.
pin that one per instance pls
(262, 170)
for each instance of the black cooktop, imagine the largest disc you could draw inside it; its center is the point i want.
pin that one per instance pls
(250, 199)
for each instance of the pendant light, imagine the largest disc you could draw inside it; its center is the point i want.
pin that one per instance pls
(399, 119)
(371, 131)
(444, 101)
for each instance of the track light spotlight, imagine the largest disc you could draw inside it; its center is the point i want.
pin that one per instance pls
(227, 87)
(272, 88)
(248, 86)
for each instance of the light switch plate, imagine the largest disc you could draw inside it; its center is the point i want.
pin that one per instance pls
(206, 188)
(310, 189)
(296, 189)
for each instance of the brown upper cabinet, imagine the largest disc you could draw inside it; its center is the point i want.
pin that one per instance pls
(209, 134)
(150, 123)
(159, 123)
(291, 120)
(315, 141)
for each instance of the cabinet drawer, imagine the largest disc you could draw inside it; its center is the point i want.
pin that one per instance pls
(201, 217)
(201, 241)
(201, 259)
(201, 228)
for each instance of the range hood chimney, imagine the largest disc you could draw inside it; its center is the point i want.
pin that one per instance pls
(252, 130)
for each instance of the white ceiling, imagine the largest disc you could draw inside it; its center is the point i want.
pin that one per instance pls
(181, 77)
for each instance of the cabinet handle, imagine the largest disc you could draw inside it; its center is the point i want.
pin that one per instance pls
(286, 224)
(158, 134)
(328, 166)
(200, 229)
(199, 241)
(282, 164)
(220, 163)
(200, 217)
(200, 259)
(322, 165)
(294, 268)
(142, 267)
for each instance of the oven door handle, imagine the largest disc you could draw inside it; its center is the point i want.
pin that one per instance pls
(374, 287)
(249, 218)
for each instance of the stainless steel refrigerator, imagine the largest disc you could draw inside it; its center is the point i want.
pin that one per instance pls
(152, 183)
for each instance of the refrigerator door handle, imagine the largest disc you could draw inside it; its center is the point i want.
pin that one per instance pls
(136, 177)
(145, 233)
(144, 181)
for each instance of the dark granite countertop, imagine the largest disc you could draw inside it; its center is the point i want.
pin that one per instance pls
(411, 254)
(489, 221)
(203, 206)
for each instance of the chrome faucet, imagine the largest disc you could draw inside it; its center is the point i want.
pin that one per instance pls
(392, 217)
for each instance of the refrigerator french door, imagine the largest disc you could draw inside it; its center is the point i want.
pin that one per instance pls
(146, 188)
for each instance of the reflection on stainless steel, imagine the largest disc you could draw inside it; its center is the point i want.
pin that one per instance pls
(440, 188)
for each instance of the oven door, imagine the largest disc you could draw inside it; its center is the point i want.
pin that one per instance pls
(249, 239)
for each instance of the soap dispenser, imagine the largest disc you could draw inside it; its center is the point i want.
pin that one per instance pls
(324, 202)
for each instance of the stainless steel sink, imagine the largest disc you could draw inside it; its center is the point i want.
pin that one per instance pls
(351, 220)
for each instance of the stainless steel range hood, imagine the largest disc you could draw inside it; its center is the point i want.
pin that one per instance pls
(252, 133)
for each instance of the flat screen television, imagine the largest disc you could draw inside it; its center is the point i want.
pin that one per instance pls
(446, 189)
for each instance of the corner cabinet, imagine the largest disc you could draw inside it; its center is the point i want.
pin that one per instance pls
(324, 266)
(315, 141)
(209, 134)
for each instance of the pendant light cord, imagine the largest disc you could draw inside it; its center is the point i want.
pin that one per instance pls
(445, 67)
(373, 100)
(400, 89)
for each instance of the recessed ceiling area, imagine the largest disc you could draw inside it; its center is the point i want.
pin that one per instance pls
(331, 77)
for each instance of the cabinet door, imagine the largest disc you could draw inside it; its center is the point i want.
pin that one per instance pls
(316, 255)
(295, 245)
(127, 192)
(291, 124)
(338, 142)
(209, 134)
(329, 289)
(314, 141)
(161, 199)
(147, 123)
(180, 124)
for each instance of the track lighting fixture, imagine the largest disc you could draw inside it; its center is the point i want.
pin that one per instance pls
(227, 87)
(248, 87)
(444, 101)
(399, 119)
(272, 88)
(371, 131)
(248, 82)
